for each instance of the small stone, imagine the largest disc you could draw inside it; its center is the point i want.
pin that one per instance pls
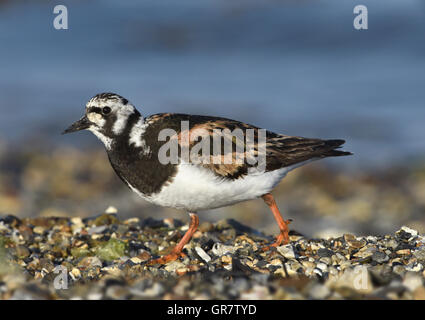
(136, 260)
(319, 272)
(308, 264)
(98, 229)
(338, 258)
(134, 221)
(143, 255)
(34, 264)
(12, 221)
(77, 221)
(111, 210)
(400, 270)
(287, 251)
(24, 230)
(169, 222)
(322, 267)
(353, 242)
(420, 253)
(293, 267)
(112, 270)
(220, 249)
(121, 229)
(407, 230)
(76, 273)
(173, 266)
(38, 275)
(90, 262)
(22, 252)
(262, 264)
(326, 260)
(38, 230)
(316, 246)
(380, 257)
(228, 267)
(392, 243)
(47, 265)
(182, 271)
(202, 254)
(403, 252)
(372, 239)
(226, 259)
(276, 262)
(368, 252)
(415, 267)
(322, 252)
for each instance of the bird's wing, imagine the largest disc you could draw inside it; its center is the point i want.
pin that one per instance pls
(230, 148)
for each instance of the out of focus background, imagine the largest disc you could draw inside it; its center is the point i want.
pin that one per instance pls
(294, 67)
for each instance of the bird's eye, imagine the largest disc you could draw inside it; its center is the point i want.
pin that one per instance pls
(106, 110)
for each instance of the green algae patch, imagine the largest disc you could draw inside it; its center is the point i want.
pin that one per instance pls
(6, 267)
(4, 243)
(105, 219)
(2, 248)
(80, 252)
(111, 250)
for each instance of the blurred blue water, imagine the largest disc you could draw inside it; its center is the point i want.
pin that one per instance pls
(296, 67)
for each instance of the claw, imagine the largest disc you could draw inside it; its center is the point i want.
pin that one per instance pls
(167, 258)
(177, 251)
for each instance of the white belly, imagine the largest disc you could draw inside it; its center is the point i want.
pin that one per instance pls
(196, 188)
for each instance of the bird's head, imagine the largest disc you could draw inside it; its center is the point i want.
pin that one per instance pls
(107, 115)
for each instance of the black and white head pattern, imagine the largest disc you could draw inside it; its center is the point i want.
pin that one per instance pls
(113, 117)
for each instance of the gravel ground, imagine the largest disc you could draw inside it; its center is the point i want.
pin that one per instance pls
(105, 258)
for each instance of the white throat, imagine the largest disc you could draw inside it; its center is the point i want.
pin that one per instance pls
(106, 140)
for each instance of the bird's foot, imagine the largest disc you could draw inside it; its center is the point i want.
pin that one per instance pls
(174, 255)
(282, 238)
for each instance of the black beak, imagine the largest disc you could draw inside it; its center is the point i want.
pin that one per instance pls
(81, 124)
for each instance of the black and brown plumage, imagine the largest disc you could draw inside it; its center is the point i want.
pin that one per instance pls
(193, 162)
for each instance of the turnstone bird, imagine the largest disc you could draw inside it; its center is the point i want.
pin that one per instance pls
(193, 162)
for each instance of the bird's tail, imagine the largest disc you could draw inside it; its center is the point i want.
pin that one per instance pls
(335, 144)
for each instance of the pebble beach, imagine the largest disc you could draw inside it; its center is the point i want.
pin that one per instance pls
(105, 258)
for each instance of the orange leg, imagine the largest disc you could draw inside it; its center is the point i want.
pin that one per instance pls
(177, 250)
(283, 224)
